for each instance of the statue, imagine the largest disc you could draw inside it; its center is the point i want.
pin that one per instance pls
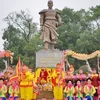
(49, 21)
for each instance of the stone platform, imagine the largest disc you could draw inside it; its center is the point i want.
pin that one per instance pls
(46, 94)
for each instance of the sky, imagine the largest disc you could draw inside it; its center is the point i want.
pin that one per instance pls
(34, 6)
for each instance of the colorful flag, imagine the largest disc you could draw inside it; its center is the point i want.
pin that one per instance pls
(18, 70)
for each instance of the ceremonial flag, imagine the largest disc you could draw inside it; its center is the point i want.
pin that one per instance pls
(17, 73)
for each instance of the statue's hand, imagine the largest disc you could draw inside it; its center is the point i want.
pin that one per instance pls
(41, 29)
(59, 24)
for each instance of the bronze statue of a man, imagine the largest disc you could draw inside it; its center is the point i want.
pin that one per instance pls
(49, 21)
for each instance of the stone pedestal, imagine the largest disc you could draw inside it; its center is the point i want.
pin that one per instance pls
(48, 58)
(45, 94)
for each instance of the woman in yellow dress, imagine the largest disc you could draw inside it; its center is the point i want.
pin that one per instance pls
(79, 90)
(89, 90)
(13, 91)
(69, 90)
(3, 89)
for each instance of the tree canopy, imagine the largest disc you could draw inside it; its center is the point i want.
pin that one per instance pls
(22, 37)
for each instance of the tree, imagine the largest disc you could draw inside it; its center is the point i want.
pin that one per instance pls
(94, 16)
(24, 23)
(22, 37)
(74, 25)
(79, 32)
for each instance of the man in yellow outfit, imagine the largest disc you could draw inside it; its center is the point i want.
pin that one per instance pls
(26, 84)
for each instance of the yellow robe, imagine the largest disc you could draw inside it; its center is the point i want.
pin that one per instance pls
(89, 91)
(3, 91)
(79, 91)
(11, 91)
(26, 86)
(34, 93)
(58, 91)
(69, 91)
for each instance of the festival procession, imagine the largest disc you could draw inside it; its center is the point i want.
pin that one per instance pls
(22, 83)
(52, 75)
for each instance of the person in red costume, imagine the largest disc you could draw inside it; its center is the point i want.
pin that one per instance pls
(98, 90)
(43, 74)
(57, 82)
(58, 67)
(10, 72)
(95, 79)
(81, 76)
(70, 74)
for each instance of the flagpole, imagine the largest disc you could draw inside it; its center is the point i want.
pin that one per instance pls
(8, 61)
(98, 63)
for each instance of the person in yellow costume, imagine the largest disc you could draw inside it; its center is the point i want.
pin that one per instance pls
(13, 90)
(3, 89)
(26, 84)
(49, 84)
(79, 90)
(57, 84)
(35, 87)
(69, 90)
(89, 90)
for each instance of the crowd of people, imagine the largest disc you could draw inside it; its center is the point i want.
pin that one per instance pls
(64, 84)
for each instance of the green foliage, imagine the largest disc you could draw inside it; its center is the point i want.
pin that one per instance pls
(23, 22)
(95, 16)
(84, 68)
(80, 32)
(2, 65)
(22, 37)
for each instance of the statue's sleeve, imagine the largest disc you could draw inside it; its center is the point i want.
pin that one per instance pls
(59, 18)
(41, 19)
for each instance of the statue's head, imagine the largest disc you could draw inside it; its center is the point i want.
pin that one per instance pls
(50, 4)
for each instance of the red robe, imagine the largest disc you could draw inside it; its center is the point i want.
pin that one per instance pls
(95, 78)
(43, 75)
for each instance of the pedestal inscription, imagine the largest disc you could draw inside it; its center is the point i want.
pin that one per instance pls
(48, 58)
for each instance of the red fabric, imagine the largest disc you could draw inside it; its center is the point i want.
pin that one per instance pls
(95, 78)
(5, 82)
(54, 81)
(26, 85)
(0, 86)
(44, 75)
(98, 90)
(11, 98)
(58, 70)
(95, 98)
